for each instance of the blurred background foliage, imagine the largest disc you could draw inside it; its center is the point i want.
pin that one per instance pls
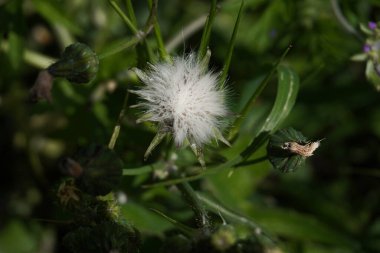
(331, 205)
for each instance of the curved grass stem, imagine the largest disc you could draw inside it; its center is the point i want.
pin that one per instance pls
(116, 130)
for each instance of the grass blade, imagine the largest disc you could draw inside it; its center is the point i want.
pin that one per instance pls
(231, 47)
(207, 31)
(288, 85)
(238, 122)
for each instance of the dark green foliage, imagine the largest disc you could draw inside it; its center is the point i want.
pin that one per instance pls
(105, 237)
(78, 64)
(222, 238)
(330, 205)
(102, 170)
(282, 159)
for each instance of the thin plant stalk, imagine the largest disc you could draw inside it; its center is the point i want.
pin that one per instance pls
(130, 24)
(232, 216)
(191, 198)
(33, 58)
(231, 46)
(131, 12)
(124, 17)
(231, 164)
(185, 33)
(343, 21)
(207, 31)
(157, 32)
(116, 130)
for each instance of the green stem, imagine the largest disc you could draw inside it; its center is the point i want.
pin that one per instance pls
(33, 58)
(248, 106)
(186, 32)
(131, 12)
(191, 198)
(207, 31)
(231, 48)
(124, 17)
(343, 21)
(138, 171)
(232, 216)
(117, 127)
(253, 161)
(157, 32)
(130, 43)
(235, 163)
(185, 229)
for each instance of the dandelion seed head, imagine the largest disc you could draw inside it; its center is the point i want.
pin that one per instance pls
(183, 98)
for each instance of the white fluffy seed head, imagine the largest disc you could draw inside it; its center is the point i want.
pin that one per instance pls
(183, 98)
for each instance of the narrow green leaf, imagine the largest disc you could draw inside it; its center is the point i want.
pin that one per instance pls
(299, 226)
(359, 57)
(185, 229)
(124, 17)
(138, 171)
(192, 199)
(231, 215)
(207, 31)
(288, 85)
(144, 219)
(231, 46)
(157, 32)
(16, 49)
(119, 46)
(248, 106)
(131, 12)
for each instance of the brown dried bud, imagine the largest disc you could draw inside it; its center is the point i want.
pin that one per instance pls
(42, 87)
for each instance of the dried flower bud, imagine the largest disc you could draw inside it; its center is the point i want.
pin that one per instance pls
(78, 64)
(42, 87)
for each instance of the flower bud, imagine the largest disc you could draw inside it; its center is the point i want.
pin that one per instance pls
(223, 238)
(41, 89)
(78, 64)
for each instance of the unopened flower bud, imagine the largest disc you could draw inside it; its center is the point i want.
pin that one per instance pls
(78, 64)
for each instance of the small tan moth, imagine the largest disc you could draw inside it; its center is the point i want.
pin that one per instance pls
(299, 149)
